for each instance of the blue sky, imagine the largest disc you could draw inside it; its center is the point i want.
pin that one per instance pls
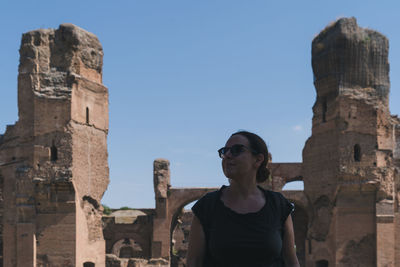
(184, 75)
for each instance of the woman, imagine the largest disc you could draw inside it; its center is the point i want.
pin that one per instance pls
(242, 225)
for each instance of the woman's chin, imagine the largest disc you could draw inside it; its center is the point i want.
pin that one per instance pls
(230, 172)
(227, 174)
(230, 176)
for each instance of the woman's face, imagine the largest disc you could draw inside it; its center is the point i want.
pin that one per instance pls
(242, 165)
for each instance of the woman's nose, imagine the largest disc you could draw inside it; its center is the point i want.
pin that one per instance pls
(228, 154)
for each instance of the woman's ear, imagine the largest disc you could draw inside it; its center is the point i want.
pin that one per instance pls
(259, 160)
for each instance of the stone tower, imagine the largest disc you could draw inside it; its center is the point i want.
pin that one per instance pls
(349, 162)
(53, 161)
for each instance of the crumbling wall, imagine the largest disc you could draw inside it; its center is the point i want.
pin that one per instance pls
(113, 261)
(138, 231)
(180, 239)
(54, 159)
(162, 183)
(396, 157)
(348, 164)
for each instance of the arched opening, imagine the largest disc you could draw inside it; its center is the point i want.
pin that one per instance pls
(53, 153)
(324, 109)
(300, 225)
(183, 220)
(87, 115)
(180, 235)
(322, 263)
(357, 153)
(126, 252)
(294, 185)
(88, 264)
(127, 248)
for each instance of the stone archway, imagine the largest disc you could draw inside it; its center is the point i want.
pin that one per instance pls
(179, 198)
(180, 230)
(300, 218)
(127, 248)
(300, 225)
(282, 173)
(169, 202)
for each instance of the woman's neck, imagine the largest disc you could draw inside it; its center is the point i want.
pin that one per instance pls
(242, 188)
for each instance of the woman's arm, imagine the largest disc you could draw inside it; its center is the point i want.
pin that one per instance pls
(197, 244)
(289, 251)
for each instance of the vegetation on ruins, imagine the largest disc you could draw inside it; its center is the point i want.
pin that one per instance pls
(106, 209)
(126, 208)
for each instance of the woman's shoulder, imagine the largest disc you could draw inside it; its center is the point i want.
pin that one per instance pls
(272, 194)
(279, 203)
(277, 198)
(210, 197)
(204, 208)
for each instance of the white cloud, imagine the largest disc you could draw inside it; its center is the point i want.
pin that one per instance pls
(297, 128)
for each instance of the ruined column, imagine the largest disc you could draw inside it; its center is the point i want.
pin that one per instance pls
(348, 161)
(161, 225)
(53, 161)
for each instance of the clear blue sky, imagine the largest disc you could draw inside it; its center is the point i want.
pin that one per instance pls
(184, 75)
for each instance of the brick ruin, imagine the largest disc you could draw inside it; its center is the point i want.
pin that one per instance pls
(148, 235)
(53, 163)
(351, 162)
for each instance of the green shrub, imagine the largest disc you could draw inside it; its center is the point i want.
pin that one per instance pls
(125, 208)
(106, 210)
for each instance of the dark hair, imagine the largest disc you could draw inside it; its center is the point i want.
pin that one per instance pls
(258, 145)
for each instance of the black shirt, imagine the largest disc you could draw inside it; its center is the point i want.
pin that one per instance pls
(243, 240)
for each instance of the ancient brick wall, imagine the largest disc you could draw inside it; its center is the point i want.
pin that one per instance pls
(138, 230)
(54, 159)
(180, 239)
(348, 164)
(54, 171)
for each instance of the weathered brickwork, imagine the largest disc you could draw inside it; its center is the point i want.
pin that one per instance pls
(349, 163)
(53, 163)
(347, 214)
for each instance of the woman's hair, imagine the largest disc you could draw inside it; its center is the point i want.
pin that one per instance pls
(258, 145)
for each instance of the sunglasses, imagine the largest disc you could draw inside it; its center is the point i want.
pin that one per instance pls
(235, 150)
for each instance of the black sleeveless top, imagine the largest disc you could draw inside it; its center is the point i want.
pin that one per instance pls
(243, 240)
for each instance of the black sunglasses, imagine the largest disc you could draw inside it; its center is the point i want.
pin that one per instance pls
(235, 150)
